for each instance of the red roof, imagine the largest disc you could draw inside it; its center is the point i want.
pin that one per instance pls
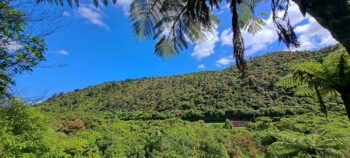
(239, 123)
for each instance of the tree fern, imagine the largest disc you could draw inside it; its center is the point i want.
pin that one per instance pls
(247, 19)
(176, 23)
(172, 23)
(313, 145)
(331, 77)
(289, 81)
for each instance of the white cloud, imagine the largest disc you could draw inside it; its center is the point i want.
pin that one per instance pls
(201, 66)
(205, 48)
(295, 15)
(226, 37)
(253, 43)
(63, 52)
(313, 36)
(92, 14)
(224, 61)
(65, 13)
(310, 34)
(125, 4)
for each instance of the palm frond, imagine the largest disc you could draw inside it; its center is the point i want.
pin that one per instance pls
(247, 19)
(172, 23)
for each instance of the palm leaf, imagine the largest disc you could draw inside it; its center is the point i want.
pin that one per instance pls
(170, 22)
(248, 21)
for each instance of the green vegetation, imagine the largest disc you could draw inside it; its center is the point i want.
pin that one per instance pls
(27, 133)
(209, 96)
(306, 135)
(147, 117)
(165, 117)
(169, 22)
(332, 76)
(19, 50)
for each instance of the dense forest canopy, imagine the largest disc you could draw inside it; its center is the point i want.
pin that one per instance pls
(211, 96)
(25, 132)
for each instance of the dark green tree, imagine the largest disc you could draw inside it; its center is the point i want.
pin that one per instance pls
(19, 51)
(228, 124)
(306, 85)
(21, 131)
(330, 76)
(171, 22)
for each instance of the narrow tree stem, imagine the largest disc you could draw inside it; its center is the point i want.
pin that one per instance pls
(321, 101)
(346, 100)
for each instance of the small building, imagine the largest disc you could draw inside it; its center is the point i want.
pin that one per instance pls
(239, 124)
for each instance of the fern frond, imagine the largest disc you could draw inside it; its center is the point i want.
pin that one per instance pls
(329, 152)
(172, 23)
(344, 141)
(304, 90)
(308, 68)
(289, 81)
(247, 19)
(308, 145)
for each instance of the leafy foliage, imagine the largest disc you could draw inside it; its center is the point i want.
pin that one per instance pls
(21, 131)
(19, 51)
(173, 23)
(332, 76)
(211, 96)
(303, 136)
(27, 133)
(313, 145)
(159, 17)
(167, 138)
(247, 19)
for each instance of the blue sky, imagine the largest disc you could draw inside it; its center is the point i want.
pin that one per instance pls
(98, 46)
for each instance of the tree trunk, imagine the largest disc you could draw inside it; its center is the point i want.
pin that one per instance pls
(237, 39)
(345, 95)
(322, 103)
(333, 15)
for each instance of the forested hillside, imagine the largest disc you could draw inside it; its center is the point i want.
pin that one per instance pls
(28, 133)
(210, 96)
(144, 118)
